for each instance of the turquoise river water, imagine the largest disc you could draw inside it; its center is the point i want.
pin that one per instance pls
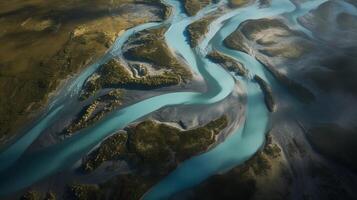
(19, 169)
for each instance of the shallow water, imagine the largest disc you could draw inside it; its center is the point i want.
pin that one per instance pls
(26, 169)
(242, 144)
(19, 169)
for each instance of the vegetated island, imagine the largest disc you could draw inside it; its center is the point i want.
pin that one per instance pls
(198, 29)
(45, 42)
(149, 64)
(95, 111)
(228, 63)
(193, 6)
(114, 75)
(152, 149)
(150, 46)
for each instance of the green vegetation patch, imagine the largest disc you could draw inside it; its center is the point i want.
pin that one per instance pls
(193, 6)
(153, 149)
(155, 143)
(84, 192)
(228, 63)
(260, 164)
(198, 29)
(126, 187)
(155, 146)
(112, 148)
(96, 110)
(115, 75)
(36, 195)
(150, 46)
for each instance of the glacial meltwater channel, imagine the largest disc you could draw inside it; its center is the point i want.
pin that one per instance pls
(19, 169)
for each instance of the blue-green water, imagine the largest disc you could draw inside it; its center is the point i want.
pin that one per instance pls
(242, 144)
(19, 169)
(30, 168)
